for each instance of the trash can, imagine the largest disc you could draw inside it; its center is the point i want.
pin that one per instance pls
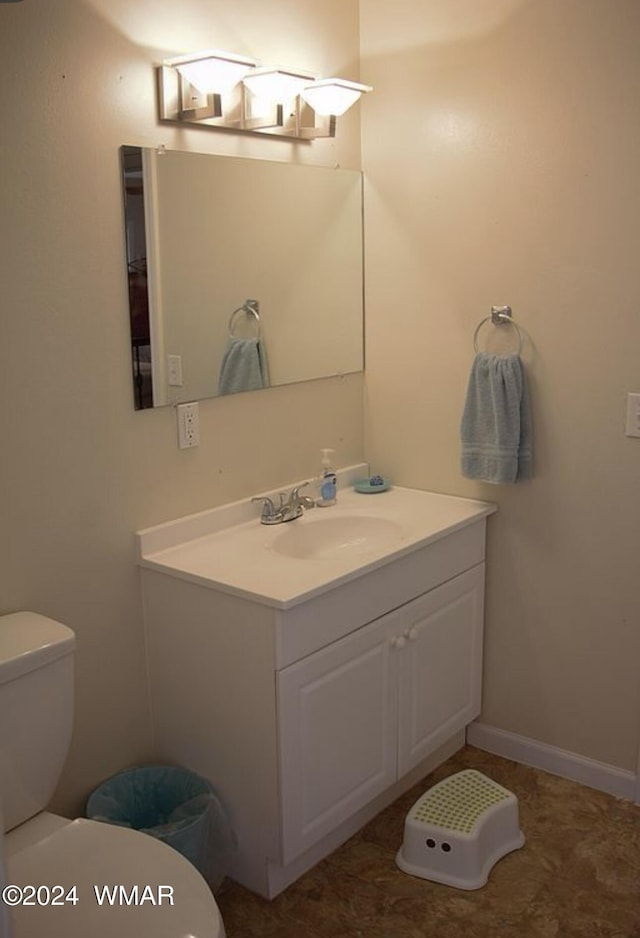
(176, 806)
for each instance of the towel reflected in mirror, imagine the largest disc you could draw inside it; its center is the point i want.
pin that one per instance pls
(244, 366)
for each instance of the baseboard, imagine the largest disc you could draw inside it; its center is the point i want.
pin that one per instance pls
(557, 761)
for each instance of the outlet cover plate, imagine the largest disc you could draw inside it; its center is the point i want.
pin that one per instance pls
(188, 425)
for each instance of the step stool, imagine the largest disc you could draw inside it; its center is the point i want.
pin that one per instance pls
(458, 830)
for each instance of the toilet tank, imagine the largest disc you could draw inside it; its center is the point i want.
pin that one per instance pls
(36, 711)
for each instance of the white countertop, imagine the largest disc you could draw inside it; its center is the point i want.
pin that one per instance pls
(220, 550)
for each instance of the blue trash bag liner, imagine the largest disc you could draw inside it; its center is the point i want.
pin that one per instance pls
(176, 806)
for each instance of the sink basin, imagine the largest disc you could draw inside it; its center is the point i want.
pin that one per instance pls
(313, 537)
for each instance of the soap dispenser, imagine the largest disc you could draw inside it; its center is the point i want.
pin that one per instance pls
(327, 483)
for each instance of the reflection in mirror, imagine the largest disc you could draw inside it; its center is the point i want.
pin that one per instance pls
(243, 274)
(136, 243)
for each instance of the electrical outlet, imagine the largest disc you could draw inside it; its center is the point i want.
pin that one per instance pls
(633, 415)
(174, 371)
(188, 425)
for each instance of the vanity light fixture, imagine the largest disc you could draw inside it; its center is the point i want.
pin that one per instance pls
(276, 85)
(190, 87)
(333, 95)
(266, 92)
(223, 90)
(212, 72)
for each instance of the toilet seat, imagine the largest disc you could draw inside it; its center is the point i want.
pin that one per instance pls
(88, 854)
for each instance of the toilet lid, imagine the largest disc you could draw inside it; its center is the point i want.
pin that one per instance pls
(126, 884)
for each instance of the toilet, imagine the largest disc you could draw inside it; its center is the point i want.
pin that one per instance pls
(75, 877)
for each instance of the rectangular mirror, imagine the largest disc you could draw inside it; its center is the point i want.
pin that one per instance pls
(242, 273)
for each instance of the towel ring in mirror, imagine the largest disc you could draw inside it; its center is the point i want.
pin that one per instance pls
(248, 308)
(500, 316)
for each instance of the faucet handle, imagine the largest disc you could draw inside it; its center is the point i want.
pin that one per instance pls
(268, 508)
(293, 498)
(297, 501)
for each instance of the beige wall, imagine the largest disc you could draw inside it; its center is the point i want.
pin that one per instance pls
(79, 470)
(502, 150)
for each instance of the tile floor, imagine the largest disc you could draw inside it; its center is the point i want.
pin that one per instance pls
(578, 875)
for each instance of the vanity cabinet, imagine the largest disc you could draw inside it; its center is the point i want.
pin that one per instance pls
(361, 713)
(310, 693)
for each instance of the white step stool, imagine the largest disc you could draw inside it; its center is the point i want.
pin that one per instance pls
(459, 829)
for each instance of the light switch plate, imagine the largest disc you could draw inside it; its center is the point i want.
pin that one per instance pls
(174, 371)
(633, 415)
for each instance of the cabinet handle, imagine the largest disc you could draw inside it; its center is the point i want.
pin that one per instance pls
(398, 641)
(412, 633)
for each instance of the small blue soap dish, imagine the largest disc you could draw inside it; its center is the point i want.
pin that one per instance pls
(371, 486)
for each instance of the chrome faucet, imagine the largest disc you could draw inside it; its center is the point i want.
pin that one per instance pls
(290, 507)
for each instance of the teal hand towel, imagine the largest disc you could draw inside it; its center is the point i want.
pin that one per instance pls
(496, 429)
(243, 367)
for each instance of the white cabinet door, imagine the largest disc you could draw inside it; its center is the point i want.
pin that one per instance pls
(359, 714)
(440, 668)
(338, 716)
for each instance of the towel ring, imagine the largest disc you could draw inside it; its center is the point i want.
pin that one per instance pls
(499, 316)
(249, 308)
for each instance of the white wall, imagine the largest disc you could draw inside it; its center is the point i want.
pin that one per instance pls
(80, 471)
(501, 150)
